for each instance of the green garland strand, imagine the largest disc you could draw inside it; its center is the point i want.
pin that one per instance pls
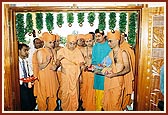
(123, 22)
(132, 29)
(60, 20)
(80, 17)
(29, 23)
(70, 18)
(112, 20)
(49, 21)
(102, 22)
(39, 21)
(20, 31)
(91, 18)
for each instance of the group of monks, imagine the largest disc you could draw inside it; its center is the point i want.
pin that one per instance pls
(62, 73)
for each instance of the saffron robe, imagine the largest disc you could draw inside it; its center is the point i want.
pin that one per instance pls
(113, 88)
(87, 91)
(129, 77)
(35, 71)
(70, 72)
(47, 84)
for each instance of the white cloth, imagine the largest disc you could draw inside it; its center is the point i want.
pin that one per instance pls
(28, 69)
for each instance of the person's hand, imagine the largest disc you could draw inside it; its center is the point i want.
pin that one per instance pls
(53, 67)
(32, 83)
(61, 57)
(48, 58)
(58, 62)
(82, 66)
(86, 68)
(110, 74)
(29, 85)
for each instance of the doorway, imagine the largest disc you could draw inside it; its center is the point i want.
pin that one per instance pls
(11, 84)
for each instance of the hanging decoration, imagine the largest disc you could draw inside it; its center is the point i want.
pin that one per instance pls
(70, 18)
(112, 21)
(132, 29)
(29, 24)
(91, 18)
(102, 22)
(60, 20)
(80, 18)
(123, 22)
(20, 31)
(49, 22)
(39, 22)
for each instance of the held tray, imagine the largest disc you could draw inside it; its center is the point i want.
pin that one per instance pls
(96, 69)
(28, 79)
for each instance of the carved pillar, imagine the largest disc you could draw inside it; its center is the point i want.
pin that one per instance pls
(151, 58)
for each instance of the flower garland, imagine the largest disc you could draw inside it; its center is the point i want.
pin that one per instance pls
(60, 20)
(80, 19)
(132, 29)
(70, 18)
(49, 22)
(123, 22)
(20, 31)
(29, 24)
(112, 21)
(102, 22)
(39, 22)
(91, 18)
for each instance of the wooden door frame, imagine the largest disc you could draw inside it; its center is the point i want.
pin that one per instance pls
(11, 45)
(146, 96)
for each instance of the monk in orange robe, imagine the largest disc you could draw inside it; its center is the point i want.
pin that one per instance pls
(47, 84)
(114, 85)
(129, 77)
(81, 47)
(38, 43)
(56, 48)
(81, 42)
(71, 65)
(87, 91)
(57, 43)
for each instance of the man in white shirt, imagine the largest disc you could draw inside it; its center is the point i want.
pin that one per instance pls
(27, 99)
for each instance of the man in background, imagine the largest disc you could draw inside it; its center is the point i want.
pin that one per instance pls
(27, 98)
